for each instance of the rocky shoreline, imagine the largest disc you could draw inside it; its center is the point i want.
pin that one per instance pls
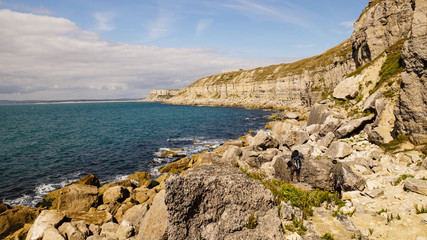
(239, 191)
(362, 102)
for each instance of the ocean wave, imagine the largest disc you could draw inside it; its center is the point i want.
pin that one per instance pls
(39, 193)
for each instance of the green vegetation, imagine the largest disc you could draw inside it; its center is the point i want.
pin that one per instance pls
(389, 93)
(390, 217)
(299, 198)
(282, 70)
(394, 144)
(296, 226)
(252, 221)
(381, 211)
(327, 236)
(371, 231)
(420, 211)
(401, 178)
(359, 98)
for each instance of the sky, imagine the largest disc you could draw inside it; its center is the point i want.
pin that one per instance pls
(109, 49)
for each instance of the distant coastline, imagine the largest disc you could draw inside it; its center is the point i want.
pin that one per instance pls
(5, 102)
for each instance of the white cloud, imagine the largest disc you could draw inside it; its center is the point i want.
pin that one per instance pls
(44, 57)
(347, 24)
(287, 12)
(202, 25)
(103, 21)
(161, 26)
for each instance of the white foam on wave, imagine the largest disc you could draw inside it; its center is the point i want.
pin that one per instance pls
(199, 144)
(40, 192)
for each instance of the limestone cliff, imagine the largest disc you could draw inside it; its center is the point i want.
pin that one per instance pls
(374, 50)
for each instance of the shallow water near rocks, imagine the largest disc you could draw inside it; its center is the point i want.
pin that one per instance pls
(43, 147)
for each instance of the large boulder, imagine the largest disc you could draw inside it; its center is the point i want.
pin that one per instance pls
(71, 231)
(339, 149)
(215, 202)
(13, 219)
(293, 137)
(232, 154)
(348, 88)
(315, 171)
(353, 126)
(135, 215)
(318, 113)
(154, 225)
(416, 185)
(264, 140)
(47, 220)
(89, 179)
(77, 197)
(142, 178)
(115, 194)
(330, 124)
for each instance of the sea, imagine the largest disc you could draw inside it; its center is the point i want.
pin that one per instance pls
(43, 147)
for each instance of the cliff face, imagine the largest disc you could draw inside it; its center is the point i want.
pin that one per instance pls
(376, 41)
(381, 24)
(411, 110)
(285, 85)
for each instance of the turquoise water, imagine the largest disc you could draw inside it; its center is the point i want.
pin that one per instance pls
(45, 146)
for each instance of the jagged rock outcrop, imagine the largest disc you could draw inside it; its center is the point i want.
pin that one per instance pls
(381, 24)
(411, 110)
(215, 202)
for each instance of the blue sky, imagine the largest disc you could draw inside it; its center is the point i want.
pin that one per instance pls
(68, 49)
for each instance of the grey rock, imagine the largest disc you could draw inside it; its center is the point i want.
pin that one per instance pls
(347, 223)
(370, 101)
(232, 154)
(330, 125)
(109, 230)
(313, 129)
(287, 212)
(326, 140)
(318, 114)
(339, 149)
(215, 202)
(378, 28)
(348, 88)
(71, 232)
(294, 137)
(290, 115)
(416, 185)
(374, 193)
(48, 219)
(411, 109)
(154, 225)
(263, 140)
(268, 155)
(353, 126)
